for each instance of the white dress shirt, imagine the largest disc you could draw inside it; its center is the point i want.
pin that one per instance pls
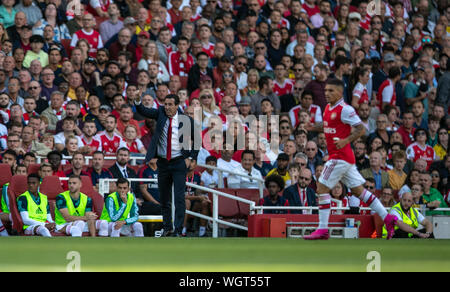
(236, 181)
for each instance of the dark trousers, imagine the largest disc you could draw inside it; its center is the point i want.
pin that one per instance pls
(172, 172)
(402, 234)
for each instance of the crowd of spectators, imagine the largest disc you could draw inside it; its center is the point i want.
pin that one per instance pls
(71, 72)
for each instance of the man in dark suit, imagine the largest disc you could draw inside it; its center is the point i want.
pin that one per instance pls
(121, 169)
(175, 143)
(300, 194)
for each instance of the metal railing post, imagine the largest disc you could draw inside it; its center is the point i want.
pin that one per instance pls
(215, 216)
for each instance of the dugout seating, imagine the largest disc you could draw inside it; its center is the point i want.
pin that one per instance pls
(17, 186)
(51, 187)
(248, 194)
(228, 208)
(34, 168)
(5, 173)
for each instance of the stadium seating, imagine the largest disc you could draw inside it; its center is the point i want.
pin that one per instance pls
(88, 189)
(228, 208)
(249, 194)
(5, 173)
(33, 168)
(18, 186)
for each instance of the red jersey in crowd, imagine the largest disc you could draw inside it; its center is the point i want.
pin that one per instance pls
(94, 39)
(110, 145)
(386, 93)
(209, 49)
(178, 66)
(314, 110)
(337, 124)
(95, 144)
(415, 152)
(344, 205)
(281, 89)
(311, 11)
(360, 91)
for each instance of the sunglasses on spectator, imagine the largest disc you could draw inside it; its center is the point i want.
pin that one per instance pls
(205, 96)
(242, 64)
(304, 178)
(421, 133)
(370, 187)
(298, 88)
(227, 75)
(260, 48)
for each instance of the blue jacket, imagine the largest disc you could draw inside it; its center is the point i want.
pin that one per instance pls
(161, 118)
(293, 197)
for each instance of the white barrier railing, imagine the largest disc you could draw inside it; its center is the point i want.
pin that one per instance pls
(133, 159)
(220, 172)
(104, 188)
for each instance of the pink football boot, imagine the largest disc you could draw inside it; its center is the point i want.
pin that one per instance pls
(390, 221)
(321, 234)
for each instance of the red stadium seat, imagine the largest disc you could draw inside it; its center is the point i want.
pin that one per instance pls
(228, 208)
(249, 194)
(108, 163)
(51, 187)
(88, 190)
(18, 186)
(5, 173)
(33, 168)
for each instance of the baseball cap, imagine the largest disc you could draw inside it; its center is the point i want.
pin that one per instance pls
(105, 107)
(245, 100)
(90, 60)
(354, 15)
(389, 57)
(129, 20)
(144, 33)
(283, 156)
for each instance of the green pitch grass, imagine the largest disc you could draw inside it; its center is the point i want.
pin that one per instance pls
(219, 255)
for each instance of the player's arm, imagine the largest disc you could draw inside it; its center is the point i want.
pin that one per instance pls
(357, 131)
(316, 127)
(147, 196)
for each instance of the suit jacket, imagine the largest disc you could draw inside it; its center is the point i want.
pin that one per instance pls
(161, 118)
(366, 173)
(116, 173)
(292, 195)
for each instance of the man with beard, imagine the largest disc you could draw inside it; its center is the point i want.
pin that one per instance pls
(66, 70)
(300, 194)
(110, 141)
(282, 167)
(362, 162)
(77, 163)
(367, 121)
(124, 60)
(121, 170)
(87, 73)
(102, 59)
(97, 171)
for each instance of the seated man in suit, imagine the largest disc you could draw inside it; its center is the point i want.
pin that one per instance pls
(121, 169)
(300, 194)
(380, 176)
